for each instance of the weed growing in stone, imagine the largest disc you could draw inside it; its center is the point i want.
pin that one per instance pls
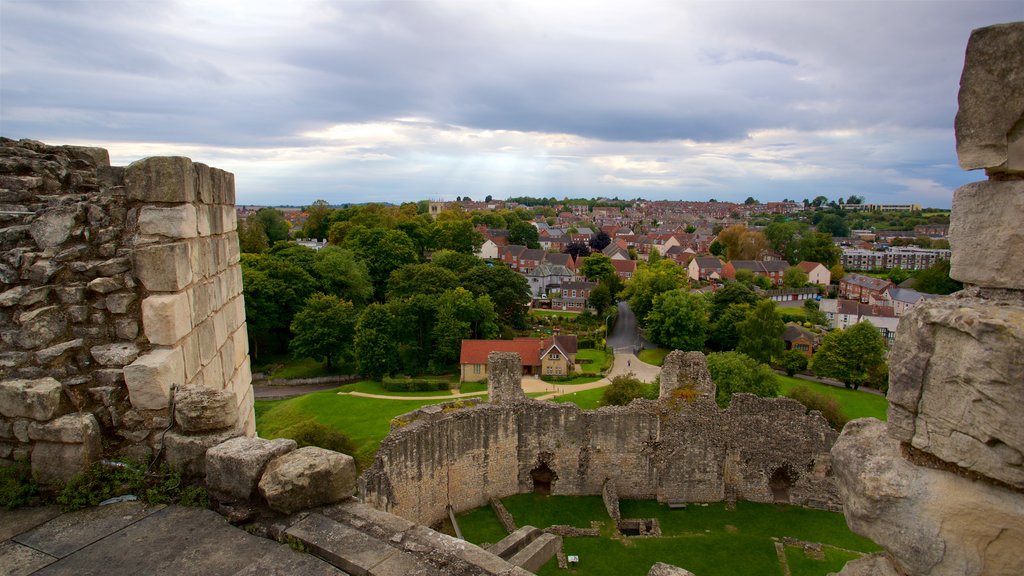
(16, 485)
(104, 481)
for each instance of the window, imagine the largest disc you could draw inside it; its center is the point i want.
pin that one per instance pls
(476, 369)
(554, 356)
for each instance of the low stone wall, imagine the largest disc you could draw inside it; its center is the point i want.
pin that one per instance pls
(117, 287)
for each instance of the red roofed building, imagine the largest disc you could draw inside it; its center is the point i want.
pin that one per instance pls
(555, 356)
(624, 268)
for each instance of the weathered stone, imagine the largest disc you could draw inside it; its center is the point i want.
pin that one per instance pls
(991, 98)
(873, 565)
(53, 227)
(187, 453)
(308, 477)
(36, 399)
(203, 409)
(77, 428)
(234, 468)
(53, 463)
(172, 222)
(956, 374)
(35, 296)
(165, 267)
(161, 179)
(126, 328)
(118, 303)
(117, 354)
(40, 326)
(47, 354)
(71, 294)
(43, 271)
(108, 377)
(12, 296)
(104, 285)
(13, 359)
(20, 430)
(113, 266)
(986, 236)
(166, 318)
(931, 521)
(504, 376)
(152, 376)
(688, 373)
(662, 569)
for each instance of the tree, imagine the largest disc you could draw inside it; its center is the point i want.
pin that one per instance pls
(323, 329)
(717, 248)
(793, 361)
(897, 275)
(690, 229)
(814, 314)
(761, 333)
(414, 279)
(834, 225)
(374, 343)
(457, 235)
(601, 298)
(819, 201)
(383, 251)
(342, 274)
(275, 290)
(836, 272)
(936, 280)
(274, 224)
(577, 249)
(723, 333)
(597, 267)
(818, 247)
(678, 320)
(734, 372)
(457, 262)
(508, 290)
(648, 281)
(785, 238)
(742, 243)
(600, 241)
(827, 405)
(624, 389)
(732, 293)
(794, 277)
(252, 239)
(523, 234)
(850, 355)
(318, 220)
(750, 201)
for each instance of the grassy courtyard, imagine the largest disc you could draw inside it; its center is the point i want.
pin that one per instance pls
(709, 540)
(855, 403)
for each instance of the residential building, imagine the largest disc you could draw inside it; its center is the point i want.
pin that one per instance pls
(624, 268)
(799, 338)
(773, 270)
(704, 268)
(905, 257)
(845, 313)
(903, 299)
(546, 277)
(555, 356)
(866, 289)
(788, 294)
(883, 207)
(573, 296)
(816, 272)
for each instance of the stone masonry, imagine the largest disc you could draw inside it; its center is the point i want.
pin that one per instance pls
(120, 302)
(682, 447)
(941, 485)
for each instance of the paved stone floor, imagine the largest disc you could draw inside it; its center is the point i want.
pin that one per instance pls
(135, 538)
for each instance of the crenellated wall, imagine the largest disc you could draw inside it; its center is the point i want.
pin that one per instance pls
(118, 287)
(673, 449)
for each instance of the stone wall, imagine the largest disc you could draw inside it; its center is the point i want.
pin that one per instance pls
(941, 485)
(673, 449)
(118, 287)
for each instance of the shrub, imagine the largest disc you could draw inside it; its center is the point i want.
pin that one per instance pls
(793, 361)
(414, 385)
(16, 485)
(734, 372)
(827, 405)
(103, 481)
(313, 433)
(626, 388)
(585, 343)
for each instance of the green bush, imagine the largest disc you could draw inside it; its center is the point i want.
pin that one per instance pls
(414, 385)
(626, 388)
(313, 433)
(827, 405)
(103, 481)
(16, 485)
(585, 343)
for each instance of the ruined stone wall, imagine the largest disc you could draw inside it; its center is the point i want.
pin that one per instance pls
(117, 286)
(941, 485)
(673, 449)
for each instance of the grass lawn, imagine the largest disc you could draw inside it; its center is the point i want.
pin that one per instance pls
(371, 387)
(600, 361)
(467, 387)
(855, 404)
(581, 379)
(586, 399)
(708, 540)
(553, 314)
(655, 356)
(365, 421)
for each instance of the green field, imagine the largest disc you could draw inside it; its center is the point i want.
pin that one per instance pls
(600, 361)
(654, 356)
(553, 314)
(586, 399)
(855, 403)
(708, 540)
(371, 387)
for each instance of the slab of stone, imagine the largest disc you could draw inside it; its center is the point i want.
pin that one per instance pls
(957, 383)
(41, 326)
(187, 452)
(166, 318)
(161, 179)
(36, 399)
(14, 522)
(504, 378)
(19, 560)
(687, 371)
(151, 377)
(165, 267)
(872, 565)
(351, 550)
(71, 532)
(308, 477)
(508, 546)
(171, 221)
(116, 355)
(991, 98)
(53, 227)
(986, 235)
(538, 552)
(662, 569)
(47, 354)
(204, 409)
(234, 467)
(286, 562)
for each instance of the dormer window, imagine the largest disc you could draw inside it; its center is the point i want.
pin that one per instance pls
(554, 356)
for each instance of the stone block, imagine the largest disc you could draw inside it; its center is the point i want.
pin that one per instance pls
(686, 371)
(986, 236)
(203, 220)
(118, 303)
(208, 347)
(104, 285)
(53, 227)
(354, 552)
(234, 251)
(241, 381)
(991, 99)
(165, 267)
(223, 186)
(166, 318)
(213, 374)
(190, 350)
(41, 326)
(957, 382)
(504, 378)
(36, 399)
(161, 179)
(308, 477)
(202, 258)
(53, 463)
(227, 359)
(151, 377)
(187, 452)
(234, 468)
(171, 221)
(228, 218)
(47, 354)
(117, 354)
(220, 328)
(126, 328)
(930, 521)
(662, 569)
(204, 409)
(77, 428)
(12, 296)
(240, 346)
(204, 183)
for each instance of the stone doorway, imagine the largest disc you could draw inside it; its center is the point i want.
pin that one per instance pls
(781, 483)
(543, 478)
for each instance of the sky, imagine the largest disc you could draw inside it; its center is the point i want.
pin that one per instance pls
(398, 101)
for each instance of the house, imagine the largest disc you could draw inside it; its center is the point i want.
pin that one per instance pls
(680, 255)
(788, 294)
(866, 289)
(624, 268)
(799, 338)
(846, 313)
(617, 250)
(705, 268)
(773, 270)
(547, 276)
(494, 240)
(903, 299)
(555, 356)
(816, 272)
(573, 296)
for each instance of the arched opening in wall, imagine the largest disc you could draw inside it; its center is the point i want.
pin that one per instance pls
(781, 482)
(543, 478)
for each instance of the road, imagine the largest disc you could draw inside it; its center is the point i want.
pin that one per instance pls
(626, 333)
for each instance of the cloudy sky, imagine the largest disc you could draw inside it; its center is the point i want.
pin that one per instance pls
(403, 100)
